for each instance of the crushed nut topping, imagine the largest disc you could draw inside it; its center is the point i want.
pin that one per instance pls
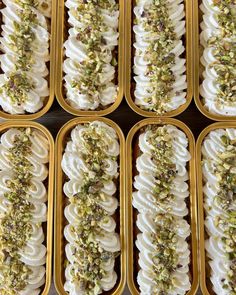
(224, 51)
(92, 68)
(21, 42)
(90, 256)
(165, 169)
(162, 40)
(165, 257)
(15, 226)
(225, 171)
(88, 253)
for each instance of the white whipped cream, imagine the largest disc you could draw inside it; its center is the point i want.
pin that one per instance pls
(146, 88)
(96, 89)
(33, 255)
(210, 87)
(148, 207)
(36, 71)
(215, 248)
(75, 166)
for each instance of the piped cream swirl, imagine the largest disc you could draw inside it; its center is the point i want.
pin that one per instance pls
(160, 80)
(162, 208)
(218, 88)
(32, 253)
(25, 52)
(90, 64)
(219, 172)
(90, 163)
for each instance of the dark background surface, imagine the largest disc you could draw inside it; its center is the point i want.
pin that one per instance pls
(125, 118)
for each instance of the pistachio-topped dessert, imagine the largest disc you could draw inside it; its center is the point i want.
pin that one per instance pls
(218, 36)
(25, 51)
(159, 70)
(23, 158)
(219, 171)
(160, 190)
(90, 64)
(90, 162)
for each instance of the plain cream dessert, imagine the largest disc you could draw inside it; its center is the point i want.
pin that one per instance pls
(160, 79)
(90, 162)
(161, 190)
(218, 88)
(90, 63)
(23, 168)
(219, 171)
(24, 44)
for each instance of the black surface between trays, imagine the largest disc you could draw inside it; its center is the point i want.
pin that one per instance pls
(125, 118)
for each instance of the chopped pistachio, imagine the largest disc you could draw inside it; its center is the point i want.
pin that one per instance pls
(91, 36)
(224, 51)
(165, 257)
(15, 226)
(91, 215)
(226, 198)
(21, 42)
(155, 20)
(165, 170)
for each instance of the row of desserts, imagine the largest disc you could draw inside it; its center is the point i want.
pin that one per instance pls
(163, 199)
(92, 76)
(24, 157)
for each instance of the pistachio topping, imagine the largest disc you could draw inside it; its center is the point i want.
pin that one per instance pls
(165, 257)
(95, 69)
(91, 68)
(163, 228)
(21, 42)
(90, 256)
(25, 53)
(165, 171)
(17, 87)
(225, 173)
(15, 226)
(224, 66)
(223, 44)
(161, 39)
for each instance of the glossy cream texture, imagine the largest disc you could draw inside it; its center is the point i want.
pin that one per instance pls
(34, 253)
(37, 71)
(144, 87)
(210, 88)
(215, 248)
(148, 206)
(74, 166)
(90, 95)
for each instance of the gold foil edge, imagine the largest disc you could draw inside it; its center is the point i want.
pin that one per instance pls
(196, 48)
(50, 191)
(201, 137)
(131, 276)
(59, 212)
(59, 64)
(129, 62)
(50, 99)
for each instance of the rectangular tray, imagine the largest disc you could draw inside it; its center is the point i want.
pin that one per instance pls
(62, 28)
(48, 101)
(205, 283)
(60, 221)
(198, 68)
(132, 251)
(50, 190)
(129, 54)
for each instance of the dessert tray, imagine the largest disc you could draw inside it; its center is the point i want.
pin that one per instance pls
(107, 193)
